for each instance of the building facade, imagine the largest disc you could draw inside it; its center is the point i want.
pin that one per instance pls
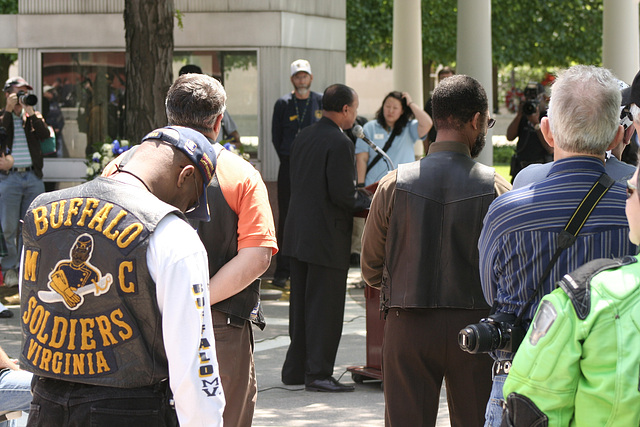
(78, 46)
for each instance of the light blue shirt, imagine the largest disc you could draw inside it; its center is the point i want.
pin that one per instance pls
(401, 150)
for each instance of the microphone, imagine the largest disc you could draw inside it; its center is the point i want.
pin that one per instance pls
(359, 133)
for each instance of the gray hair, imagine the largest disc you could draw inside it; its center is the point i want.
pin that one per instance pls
(584, 111)
(195, 101)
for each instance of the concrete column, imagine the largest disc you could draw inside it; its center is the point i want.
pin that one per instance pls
(474, 53)
(621, 38)
(407, 48)
(407, 52)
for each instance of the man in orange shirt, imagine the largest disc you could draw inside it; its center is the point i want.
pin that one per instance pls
(240, 240)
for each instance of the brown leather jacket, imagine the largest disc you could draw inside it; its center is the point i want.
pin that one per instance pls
(431, 227)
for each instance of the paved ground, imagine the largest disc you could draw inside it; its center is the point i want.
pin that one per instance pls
(285, 406)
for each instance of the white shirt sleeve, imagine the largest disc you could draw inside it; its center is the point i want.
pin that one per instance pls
(178, 265)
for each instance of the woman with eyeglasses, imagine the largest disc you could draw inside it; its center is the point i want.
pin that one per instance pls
(399, 123)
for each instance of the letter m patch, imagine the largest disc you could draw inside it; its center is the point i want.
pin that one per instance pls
(30, 266)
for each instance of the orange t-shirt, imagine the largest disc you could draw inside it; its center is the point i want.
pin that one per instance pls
(246, 194)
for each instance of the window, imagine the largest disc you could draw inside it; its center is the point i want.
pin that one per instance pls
(89, 89)
(238, 72)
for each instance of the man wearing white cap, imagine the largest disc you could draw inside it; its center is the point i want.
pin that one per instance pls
(291, 113)
(20, 181)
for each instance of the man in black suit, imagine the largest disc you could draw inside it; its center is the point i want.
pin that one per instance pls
(318, 240)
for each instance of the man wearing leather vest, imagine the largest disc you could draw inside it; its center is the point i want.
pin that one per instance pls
(114, 294)
(424, 258)
(240, 240)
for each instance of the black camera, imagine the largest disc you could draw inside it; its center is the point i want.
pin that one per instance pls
(531, 102)
(530, 107)
(496, 332)
(27, 99)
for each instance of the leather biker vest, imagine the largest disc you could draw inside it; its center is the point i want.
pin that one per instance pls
(432, 243)
(89, 308)
(220, 238)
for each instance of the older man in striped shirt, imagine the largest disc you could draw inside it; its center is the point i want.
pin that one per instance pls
(521, 228)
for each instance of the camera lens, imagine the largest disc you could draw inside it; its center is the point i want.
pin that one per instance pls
(28, 99)
(479, 338)
(529, 108)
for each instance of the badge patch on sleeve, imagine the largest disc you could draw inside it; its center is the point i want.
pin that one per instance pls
(542, 323)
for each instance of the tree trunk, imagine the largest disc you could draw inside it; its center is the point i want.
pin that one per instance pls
(6, 59)
(148, 64)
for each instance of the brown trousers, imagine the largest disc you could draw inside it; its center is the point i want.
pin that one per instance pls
(234, 349)
(420, 349)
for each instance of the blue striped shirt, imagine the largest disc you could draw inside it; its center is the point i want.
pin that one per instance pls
(521, 228)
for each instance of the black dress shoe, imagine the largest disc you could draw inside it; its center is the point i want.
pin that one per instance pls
(6, 314)
(328, 385)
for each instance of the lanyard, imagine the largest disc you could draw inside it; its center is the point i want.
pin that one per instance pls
(306, 107)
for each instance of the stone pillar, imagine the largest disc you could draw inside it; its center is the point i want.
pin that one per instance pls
(621, 38)
(407, 52)
(474, 57)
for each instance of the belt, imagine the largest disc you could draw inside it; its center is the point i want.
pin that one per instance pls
(501, 367)
(27, 169)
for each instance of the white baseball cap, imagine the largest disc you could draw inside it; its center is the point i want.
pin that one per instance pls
(300, 65)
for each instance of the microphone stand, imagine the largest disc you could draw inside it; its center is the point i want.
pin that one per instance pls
(379, 150)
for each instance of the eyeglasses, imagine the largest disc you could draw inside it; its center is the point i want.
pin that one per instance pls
(630, 189)
(490, 123)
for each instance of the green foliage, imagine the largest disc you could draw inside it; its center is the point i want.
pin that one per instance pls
(549, 33)
(502, 154)
(369, 32)
(179, 15)
(8, 7)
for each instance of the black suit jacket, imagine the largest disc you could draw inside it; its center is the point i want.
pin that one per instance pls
(320, 218)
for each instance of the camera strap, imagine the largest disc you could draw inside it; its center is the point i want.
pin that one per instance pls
(570, 232)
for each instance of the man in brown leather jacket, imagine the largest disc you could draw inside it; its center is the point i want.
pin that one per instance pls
(424, 258)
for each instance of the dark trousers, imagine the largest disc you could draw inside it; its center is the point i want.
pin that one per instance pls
(420, 348)
(60, 403)
(316, 314)
(283, 267)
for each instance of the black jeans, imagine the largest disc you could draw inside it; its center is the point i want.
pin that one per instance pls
(61, 403)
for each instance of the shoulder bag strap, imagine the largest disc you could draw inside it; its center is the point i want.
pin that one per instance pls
(385, 148)
(570, 233)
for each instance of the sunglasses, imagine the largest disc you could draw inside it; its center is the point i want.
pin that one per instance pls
(490, 123)
(630, 189)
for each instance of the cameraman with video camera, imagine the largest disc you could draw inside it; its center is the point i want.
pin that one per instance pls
(20, 182)
(531, 147)
(526, 231)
